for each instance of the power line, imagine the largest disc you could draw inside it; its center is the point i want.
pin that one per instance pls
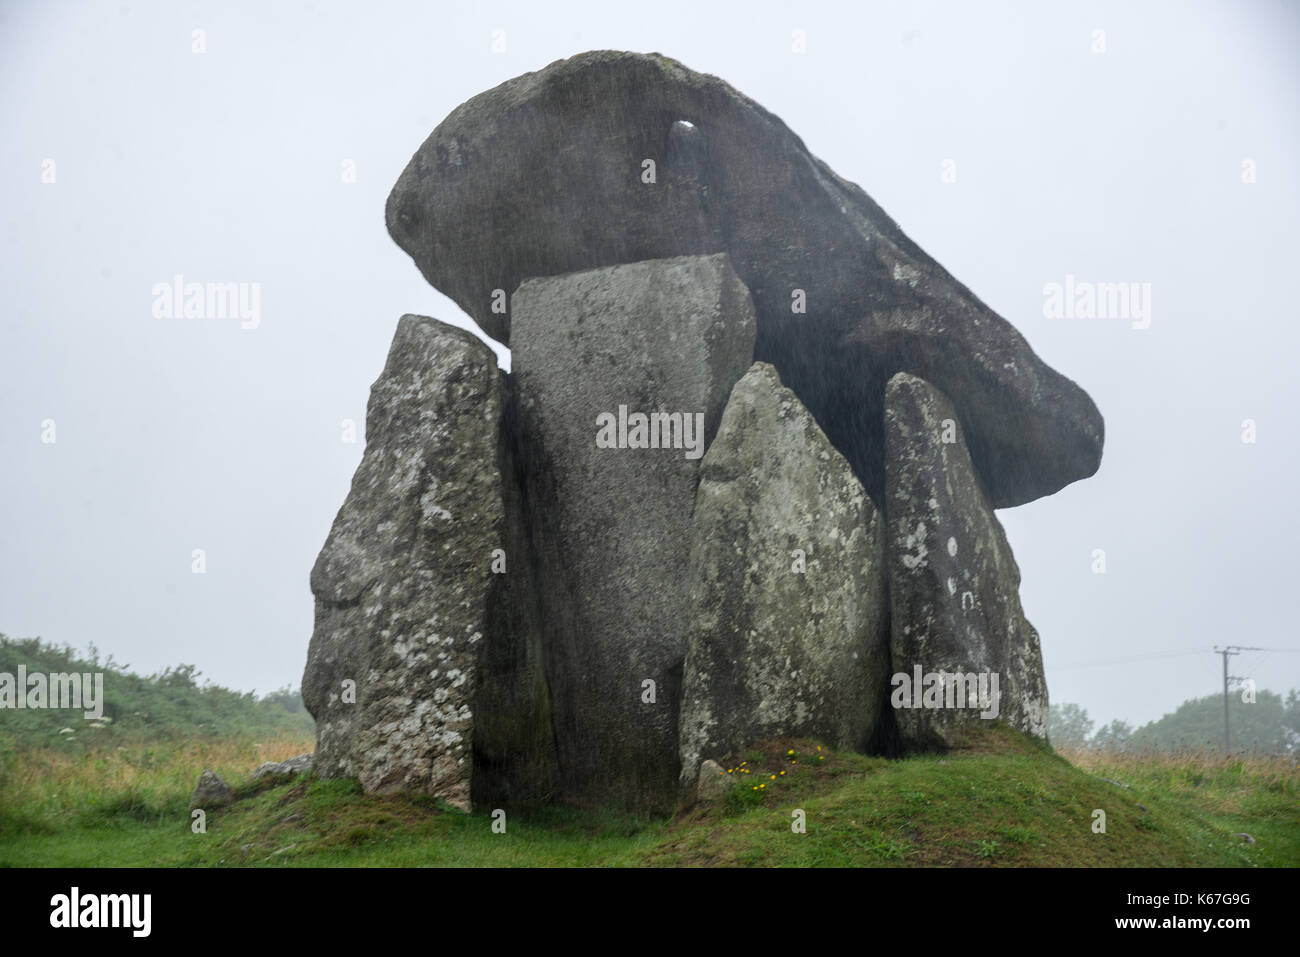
(1157, 656)
(1128, 660)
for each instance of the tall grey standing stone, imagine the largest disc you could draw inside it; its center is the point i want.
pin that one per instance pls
(612, 525)
(547, 173)
(954, 584)
(789, 607)
(404, 582)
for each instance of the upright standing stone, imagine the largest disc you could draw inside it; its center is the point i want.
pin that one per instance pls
(403, 583)
(954, 583)
(788, 631)
(622, 375)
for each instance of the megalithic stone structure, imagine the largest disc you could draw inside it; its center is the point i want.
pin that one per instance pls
(643, 550)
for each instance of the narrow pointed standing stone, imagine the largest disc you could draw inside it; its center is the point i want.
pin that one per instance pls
(402, 586)
(954, 584)
(789, 604)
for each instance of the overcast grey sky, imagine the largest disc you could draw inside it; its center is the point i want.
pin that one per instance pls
(1111, 157)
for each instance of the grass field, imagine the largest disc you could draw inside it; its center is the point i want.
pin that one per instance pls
(1002, 801)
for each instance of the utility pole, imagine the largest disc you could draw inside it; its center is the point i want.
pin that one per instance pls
(1226, 651)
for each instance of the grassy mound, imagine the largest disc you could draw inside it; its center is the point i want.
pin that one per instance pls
(1001, 800)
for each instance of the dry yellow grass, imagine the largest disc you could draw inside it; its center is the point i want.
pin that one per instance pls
(1263, 765)
(1220, 783)
(47, 786)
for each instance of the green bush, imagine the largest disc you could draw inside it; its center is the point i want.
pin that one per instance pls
(171, 703)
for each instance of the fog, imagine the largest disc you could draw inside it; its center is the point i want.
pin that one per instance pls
(1018, 144)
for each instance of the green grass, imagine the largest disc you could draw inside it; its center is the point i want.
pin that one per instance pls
(1000, 801)
(1254, 794)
